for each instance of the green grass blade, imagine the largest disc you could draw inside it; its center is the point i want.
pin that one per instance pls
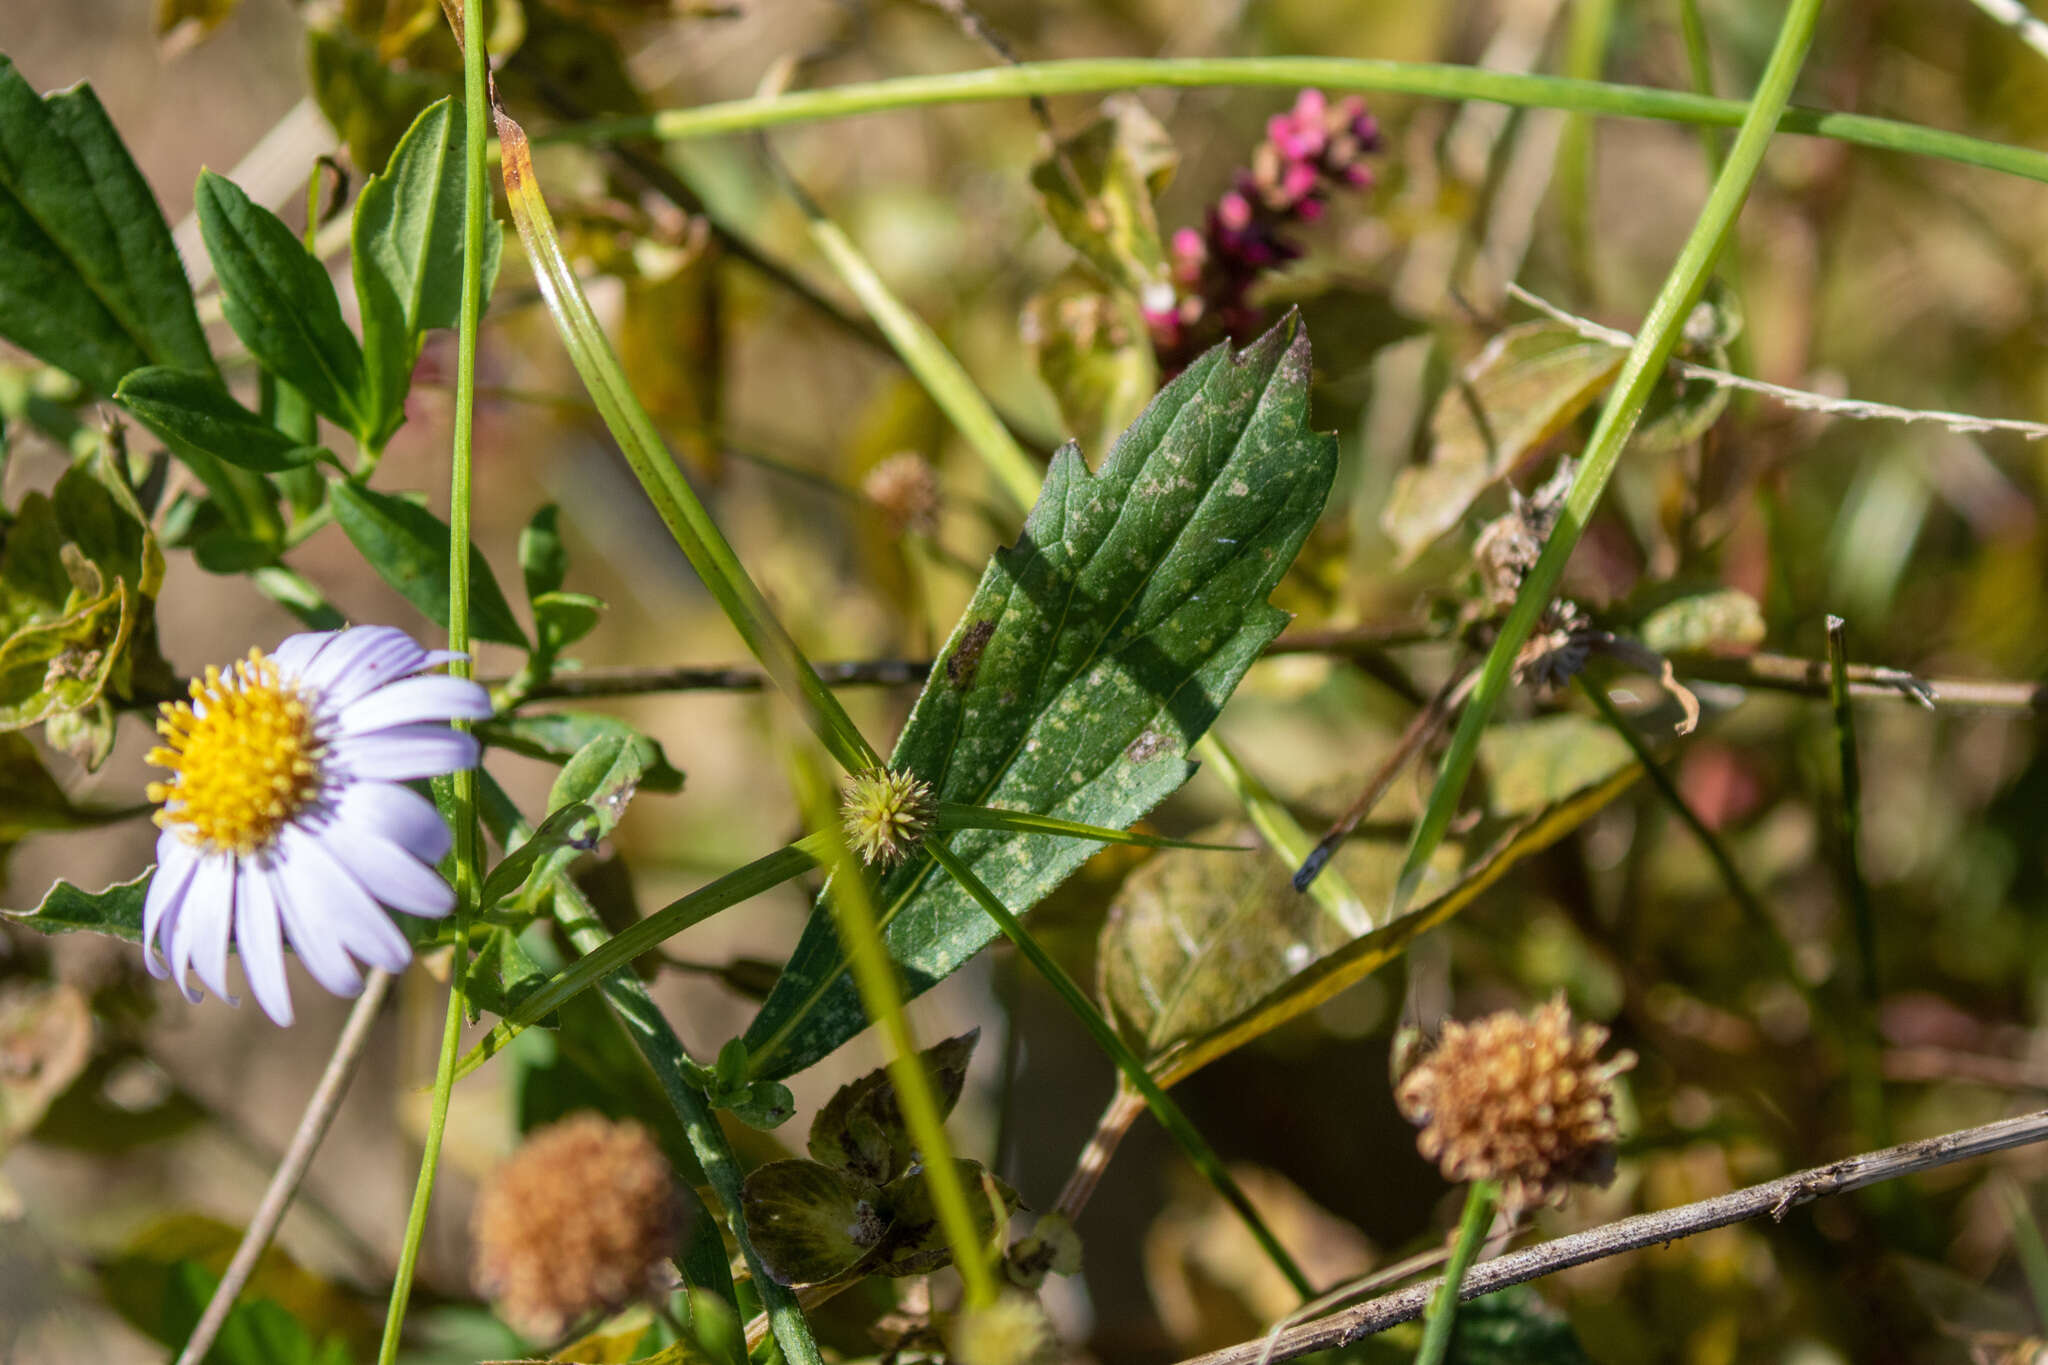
(739, 885)
(1185, 1135)
(926, 357)
(1335, 74)
(852, 897)
(954, 816)
(1639, 374)
(667, 490)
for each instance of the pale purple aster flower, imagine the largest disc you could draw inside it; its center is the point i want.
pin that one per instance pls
(284, 817)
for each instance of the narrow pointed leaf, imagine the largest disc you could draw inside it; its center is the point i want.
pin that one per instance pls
(89, 279)
(1094, 654)
(408, 547)
(281, 304)
(116, 911)
(405, 252)
(198, 418)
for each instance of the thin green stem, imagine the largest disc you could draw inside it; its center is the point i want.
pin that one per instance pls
(1442, 1316)
(1752, 906)
(1363, 75)
(1592, 27)
(1169, 1115)
(1639, 374)
(667, 490)
(1699, 66)
(461, 786)
(627, 996)
(1850, 828)
(925, 356)
(1283, 834)
(852, 901)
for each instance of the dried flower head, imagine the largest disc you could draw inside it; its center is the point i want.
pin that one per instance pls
(887, 814)
(906, 489)
(580, 1218)
(1309, 152)
(1012, 1330)
(1524, 1101)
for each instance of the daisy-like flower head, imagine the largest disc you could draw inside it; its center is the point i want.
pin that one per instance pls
(284, 815)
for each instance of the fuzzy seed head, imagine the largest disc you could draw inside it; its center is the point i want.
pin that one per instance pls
(580, 1218)
(887, 814)
(906, 489)
(1525, 1101)
(1012, 1330)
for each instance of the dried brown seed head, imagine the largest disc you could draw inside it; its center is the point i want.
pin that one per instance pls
(906, 489)
(580, 1218)
(1524, 1101)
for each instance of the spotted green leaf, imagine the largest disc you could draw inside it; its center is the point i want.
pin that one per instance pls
(1093, 655)
(1204, 951)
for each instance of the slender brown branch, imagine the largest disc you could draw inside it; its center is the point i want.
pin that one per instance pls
(1124, 1108)
(1773, 1197)
(284, 1183)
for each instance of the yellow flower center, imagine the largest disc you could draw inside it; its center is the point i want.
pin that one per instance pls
(244, 759)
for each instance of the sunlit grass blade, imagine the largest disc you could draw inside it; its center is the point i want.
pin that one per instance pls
(667, 490)
(927, 357)
(954, 816)
(673, 1068)
(1095, 75)
(852, 898)
(736, 886)
(1290, 843)
(1639, 374)
(1132, 1069)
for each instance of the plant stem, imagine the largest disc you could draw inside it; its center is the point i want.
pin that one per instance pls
(1850, 817)
(461, 786)
(1773, 1197)
(1363, 75)
(1442, 1316)
(284, 1182)
(852, 902)
(1639, 374)
(1184, 1133)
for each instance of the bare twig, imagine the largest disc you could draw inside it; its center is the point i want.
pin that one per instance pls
(320, 1111)
(2022, 21)
(1851, 408)
(1773, 1197)
(1116, 1121)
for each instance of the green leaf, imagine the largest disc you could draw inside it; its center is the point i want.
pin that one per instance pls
(65, 909)
(543, 560)
(914, 1243)
(1094, 353)
(281, 304)
(1728, 619)
(502, 974)
(79, 569)
(861, 1129)
(32, 801)
(196, 416)
(1204, 952)
(811, 1223)
(405, 251)
(1529, 384)
(367, 101)
(408, 547)
(560, 619)
(1513, 1326)
(256, 1331)
(572, 830)
(1097, 190)
(1092, 656)
(89, 279)
(557, 736)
